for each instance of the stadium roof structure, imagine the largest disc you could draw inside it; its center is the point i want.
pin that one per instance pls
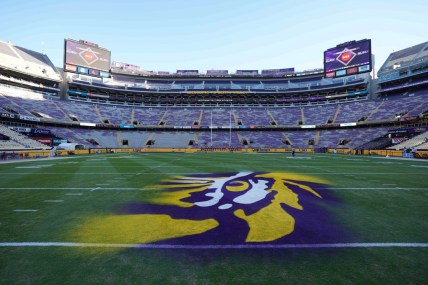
(27, 61)
(403, 58)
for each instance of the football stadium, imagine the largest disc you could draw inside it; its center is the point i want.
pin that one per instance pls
(114, 174)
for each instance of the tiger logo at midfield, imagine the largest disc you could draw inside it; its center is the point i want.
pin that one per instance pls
(230, 208)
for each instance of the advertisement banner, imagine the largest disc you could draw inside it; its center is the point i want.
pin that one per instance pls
(44, 141)
(40, 131)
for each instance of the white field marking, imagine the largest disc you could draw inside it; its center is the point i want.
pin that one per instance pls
(54, 201)
(74, 194)
(193, 173)
(27, 210)
(89, 189)
(160, 189)
(199, 166)
(122, 156)
(297, 157)
(33, 167)
(322, 169)
(215, 246)
(423, 166)
(36, 166)
(371, 188)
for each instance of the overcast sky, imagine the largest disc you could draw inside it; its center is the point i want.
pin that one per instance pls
(166, 35)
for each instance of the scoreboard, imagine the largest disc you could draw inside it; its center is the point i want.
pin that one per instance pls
(86, 58)
(347, 59)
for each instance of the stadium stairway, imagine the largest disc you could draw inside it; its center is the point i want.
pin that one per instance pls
(417, 109)
(150, 137)
(59, 108)
(375, 110)
(235, 119)
(163, 117)
(21, 110)
(97, 110)
(80, 137)
(132, 116)
(119, 138)
(303, 115)
(200, 116)
(241, 138)
(337, 113)
(272, 118)
(317, 138)
(197, 137)
(287, 138)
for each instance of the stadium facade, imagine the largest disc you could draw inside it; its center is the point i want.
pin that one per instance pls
(98, 104)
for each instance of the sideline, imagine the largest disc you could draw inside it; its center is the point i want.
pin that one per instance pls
(41, 159)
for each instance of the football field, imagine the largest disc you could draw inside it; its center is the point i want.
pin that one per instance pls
(214, 218)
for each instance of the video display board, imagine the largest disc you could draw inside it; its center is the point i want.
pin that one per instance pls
(85, 55)
(347, 59)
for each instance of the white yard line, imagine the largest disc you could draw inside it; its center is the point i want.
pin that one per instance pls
(145, 189)
(215, 246)
(422, 166)
(373, 188)
(192, 173)
(25, 210)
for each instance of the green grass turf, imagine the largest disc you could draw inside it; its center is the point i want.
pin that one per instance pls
(370, 215)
